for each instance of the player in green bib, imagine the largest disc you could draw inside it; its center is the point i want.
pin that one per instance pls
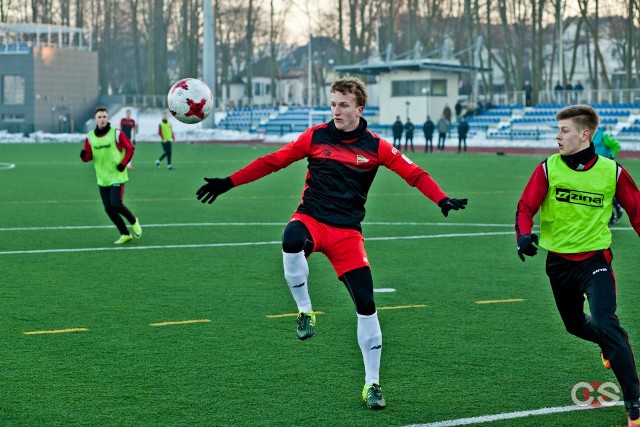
(166, 137)
(111, 151)
(574, 190)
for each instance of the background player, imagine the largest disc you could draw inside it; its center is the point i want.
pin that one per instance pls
(166, 136)
(111, 150)
(343, 158)
(574, 190)
(128, 127)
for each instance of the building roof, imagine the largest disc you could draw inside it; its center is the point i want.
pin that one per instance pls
(379, 66)
(34, 28)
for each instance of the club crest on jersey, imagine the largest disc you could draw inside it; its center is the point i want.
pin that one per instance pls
(578, 197)
(361, 159)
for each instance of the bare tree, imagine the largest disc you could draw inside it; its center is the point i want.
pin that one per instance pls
(583, 4)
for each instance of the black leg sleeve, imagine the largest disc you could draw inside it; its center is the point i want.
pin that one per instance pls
(359, 283)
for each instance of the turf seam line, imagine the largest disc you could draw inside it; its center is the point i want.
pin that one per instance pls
(242, 224)
(401, 307)
(499, 301)
(277, 316)
(508, 416)
(180, 322)
(214, 245)
(56, 331)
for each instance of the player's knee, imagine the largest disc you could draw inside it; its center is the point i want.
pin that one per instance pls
(603, 322)
(294, 237)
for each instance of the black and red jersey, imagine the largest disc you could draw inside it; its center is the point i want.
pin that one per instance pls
(127, 126)
(341, 169)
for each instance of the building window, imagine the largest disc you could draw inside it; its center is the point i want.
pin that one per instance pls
(13, 90)
(418, 88)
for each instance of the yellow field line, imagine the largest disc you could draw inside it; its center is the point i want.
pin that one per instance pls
(181, 322)
(277, 316)
(57, 331)
(498, 301)
(400, 307)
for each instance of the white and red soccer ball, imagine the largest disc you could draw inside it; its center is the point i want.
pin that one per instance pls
(190, 100)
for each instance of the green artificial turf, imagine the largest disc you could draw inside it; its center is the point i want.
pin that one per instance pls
(445, 356)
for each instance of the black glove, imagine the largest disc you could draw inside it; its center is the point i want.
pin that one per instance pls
(213, 188)
(120, 167)
(451, 204)
(83, 154)
(527, 245)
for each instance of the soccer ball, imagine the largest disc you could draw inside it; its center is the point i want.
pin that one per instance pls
(190, 100)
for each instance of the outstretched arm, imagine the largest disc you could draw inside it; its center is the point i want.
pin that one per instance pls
(417, 177)
(257, 169)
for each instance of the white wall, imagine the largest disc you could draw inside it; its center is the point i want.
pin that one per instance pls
(390, 107)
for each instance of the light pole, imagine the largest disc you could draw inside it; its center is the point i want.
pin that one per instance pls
(407, 103)
(427, 92)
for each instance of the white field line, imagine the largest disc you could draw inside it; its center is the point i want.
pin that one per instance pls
(222, 245)
(242, 224)
(508, 416)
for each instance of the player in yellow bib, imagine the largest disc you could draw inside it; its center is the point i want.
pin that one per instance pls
(166, 136)
(111, 151)
(574, 190)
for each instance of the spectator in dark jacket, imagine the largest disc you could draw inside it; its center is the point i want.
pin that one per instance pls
(408, 134)
(398, 128)
(428, 128)
(463, 129)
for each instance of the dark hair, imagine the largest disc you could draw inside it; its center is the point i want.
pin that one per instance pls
(101, 108)
(350, 84)
(583, 116)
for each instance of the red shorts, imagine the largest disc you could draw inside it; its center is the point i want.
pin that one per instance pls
(344, 247)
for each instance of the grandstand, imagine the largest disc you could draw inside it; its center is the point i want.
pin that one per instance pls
(540, 122)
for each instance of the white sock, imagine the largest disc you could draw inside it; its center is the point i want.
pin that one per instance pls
(370, 340)
(296, 272)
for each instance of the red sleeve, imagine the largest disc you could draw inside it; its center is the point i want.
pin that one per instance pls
(531, 200)
(87, 148)
(413, 174)
(629, 197)
(124, 143)
(275, 161)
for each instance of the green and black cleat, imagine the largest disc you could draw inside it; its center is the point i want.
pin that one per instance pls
(306, 325)
(372, 395)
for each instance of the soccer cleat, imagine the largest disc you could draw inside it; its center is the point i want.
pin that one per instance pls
(125, 238)
(157, 163)
(605, 362)
(136, 228)
(306, 325)
(633, 411)
(372, 395)
(170, 167)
